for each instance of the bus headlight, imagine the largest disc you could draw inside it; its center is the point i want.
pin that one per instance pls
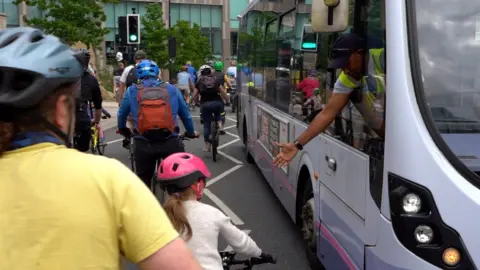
(411, 203)
(419, 227)
(423, 234)
(451, 256)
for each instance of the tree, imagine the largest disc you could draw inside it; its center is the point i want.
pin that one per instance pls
(71, 20)
(155, 35)
(191, 44)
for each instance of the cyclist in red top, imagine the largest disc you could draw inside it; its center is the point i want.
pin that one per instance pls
(308, 85)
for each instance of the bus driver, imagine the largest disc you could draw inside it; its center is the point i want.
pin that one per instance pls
(348, 54)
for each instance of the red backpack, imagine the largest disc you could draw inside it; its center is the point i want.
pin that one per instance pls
(155, 119)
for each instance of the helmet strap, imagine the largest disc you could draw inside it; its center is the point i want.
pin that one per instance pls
(57, 131)
(198, 188)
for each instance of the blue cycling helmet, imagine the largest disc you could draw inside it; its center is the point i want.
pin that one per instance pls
(147, 68)
(33, 65)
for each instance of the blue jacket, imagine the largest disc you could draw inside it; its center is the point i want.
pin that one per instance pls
(193, 72)
(130, 105)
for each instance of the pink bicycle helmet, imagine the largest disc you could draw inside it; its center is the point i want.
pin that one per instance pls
(179, 171)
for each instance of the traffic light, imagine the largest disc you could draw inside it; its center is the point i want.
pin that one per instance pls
(309, 39)
(133, 29)
(122, 30)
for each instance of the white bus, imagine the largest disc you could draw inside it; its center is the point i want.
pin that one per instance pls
(405, 199)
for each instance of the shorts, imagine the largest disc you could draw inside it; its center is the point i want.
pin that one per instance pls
(184, 89)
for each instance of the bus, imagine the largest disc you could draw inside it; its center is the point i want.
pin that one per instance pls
(404, 199)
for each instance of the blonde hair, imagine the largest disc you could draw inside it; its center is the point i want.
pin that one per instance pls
(21, 123)
(177, 214)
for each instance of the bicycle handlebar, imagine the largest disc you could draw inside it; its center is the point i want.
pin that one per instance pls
(228, 259)
(183, 137)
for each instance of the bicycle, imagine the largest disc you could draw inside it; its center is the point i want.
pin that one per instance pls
(131, 150)
(154, 181)
(228, 260)
(97, 144)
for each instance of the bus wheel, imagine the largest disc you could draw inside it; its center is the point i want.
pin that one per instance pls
(248, 156)
(307, 226)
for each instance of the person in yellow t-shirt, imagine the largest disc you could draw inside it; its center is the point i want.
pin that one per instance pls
(60, 208)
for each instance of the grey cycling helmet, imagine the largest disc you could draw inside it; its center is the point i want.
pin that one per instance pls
(33, 65)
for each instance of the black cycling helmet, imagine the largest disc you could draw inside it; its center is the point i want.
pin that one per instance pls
(32, 66)
(86, 55)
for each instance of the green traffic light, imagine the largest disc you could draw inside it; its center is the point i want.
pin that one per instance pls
(309, 45)
(133, 37)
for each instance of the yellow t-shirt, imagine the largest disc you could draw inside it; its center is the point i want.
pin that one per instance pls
(62, 209)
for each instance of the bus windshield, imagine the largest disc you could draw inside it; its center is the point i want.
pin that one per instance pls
(448, 34)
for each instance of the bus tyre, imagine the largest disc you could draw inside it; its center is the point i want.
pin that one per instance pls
(306, 218)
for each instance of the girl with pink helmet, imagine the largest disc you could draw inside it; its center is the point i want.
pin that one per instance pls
(184, 175)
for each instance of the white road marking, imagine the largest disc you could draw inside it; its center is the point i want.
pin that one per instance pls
(231, 119)
(229, 248)
(235, 219)
(229, 127)
(227, 144)
(222, 175)
(231, 134)
(115, 141)
(234, 160)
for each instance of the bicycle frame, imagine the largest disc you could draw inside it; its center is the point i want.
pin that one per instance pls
(95, 137)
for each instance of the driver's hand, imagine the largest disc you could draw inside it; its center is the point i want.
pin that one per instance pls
(287, 153)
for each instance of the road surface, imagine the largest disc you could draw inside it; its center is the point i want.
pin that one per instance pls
(240, 191)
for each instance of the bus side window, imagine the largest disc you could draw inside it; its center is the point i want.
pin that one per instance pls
(284, 70)
(304, 104)
(270, 61)
(252, 44)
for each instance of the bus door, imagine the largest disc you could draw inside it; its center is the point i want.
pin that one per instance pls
(343, 201)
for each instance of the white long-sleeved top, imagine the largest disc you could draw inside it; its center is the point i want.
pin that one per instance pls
(207, 224)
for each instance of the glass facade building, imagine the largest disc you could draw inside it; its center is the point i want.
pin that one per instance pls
(214, 17)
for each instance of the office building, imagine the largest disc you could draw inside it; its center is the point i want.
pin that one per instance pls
(216, 18)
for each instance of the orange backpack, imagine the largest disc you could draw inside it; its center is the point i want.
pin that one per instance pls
(155, 117)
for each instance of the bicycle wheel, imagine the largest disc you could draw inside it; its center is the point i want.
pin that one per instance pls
(101, 148)
(215, 139)
(161, 194)
(157, 191)
(132, 155)
(100, 145)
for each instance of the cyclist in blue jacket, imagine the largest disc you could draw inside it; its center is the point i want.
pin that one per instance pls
(148, 151)
(192, 71)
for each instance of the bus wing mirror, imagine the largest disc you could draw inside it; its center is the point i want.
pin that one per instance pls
(330, 15)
